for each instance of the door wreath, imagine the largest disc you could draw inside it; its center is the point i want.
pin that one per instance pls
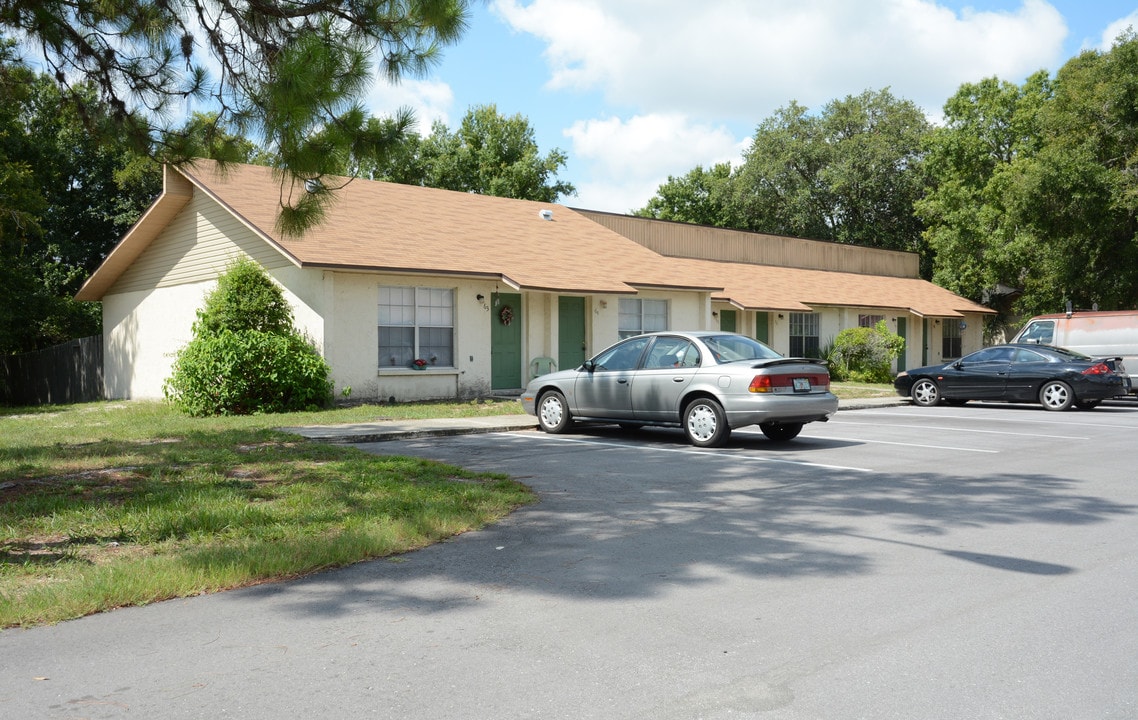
(506, 314)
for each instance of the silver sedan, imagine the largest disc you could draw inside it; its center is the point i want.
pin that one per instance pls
(704, 382)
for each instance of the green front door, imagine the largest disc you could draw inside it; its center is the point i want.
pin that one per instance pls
(727, 320)
(570, 332)
(902, 328)
(762, 327)
(505, 341)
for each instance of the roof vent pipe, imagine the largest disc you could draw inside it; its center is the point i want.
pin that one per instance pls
(546, 214)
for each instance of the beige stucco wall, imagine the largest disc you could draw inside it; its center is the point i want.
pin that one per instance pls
(686, 311)
(144, 330)
(351, 340)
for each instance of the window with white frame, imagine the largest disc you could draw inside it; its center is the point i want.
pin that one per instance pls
(416, 323)
(803, 335)
(638, 316)
(951, 347)
(864, 320)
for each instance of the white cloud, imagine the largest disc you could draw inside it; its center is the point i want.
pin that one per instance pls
(1116, 28)
(742, 59)
(684, 71)
(637, 155)
(430, 101)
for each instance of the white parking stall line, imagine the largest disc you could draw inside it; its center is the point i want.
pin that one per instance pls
(718, 453)
(971, 430)
(1003, 419)
(908, 444)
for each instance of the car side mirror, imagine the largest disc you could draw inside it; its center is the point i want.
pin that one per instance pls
(958, 365)
(589, 366)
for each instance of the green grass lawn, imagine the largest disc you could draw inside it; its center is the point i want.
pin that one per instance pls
(105, 505)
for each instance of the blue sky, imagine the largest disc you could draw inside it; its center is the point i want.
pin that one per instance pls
(637, 90)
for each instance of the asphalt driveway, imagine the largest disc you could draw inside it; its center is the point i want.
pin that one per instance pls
(899, 563)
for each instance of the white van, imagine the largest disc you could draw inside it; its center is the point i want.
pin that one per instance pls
(1111, 333)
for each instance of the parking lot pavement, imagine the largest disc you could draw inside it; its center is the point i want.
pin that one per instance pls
(871, 569)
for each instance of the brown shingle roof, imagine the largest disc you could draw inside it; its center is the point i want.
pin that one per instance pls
(765, 287)
(386, 226)
(399, 228)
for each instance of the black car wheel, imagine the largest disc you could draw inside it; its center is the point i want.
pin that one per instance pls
(1056, 395)
(705, 423)
(781, 432)
(553, 413)
(925, 393)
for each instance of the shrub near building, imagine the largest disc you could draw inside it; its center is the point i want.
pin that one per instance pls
(865, 354)
(246, 356)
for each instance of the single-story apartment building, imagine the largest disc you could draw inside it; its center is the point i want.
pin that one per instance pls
(488, 291)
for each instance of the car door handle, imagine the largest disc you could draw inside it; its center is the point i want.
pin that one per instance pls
(679, 379)
(622, 381)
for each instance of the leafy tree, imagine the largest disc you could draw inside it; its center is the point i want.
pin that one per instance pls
(246, 357)
(67, 196)
(702, 197)
(846, 175)
(988, 126)
(1079, 194)
(290, 73)
(489, 154)
(1033, 186)
(779, 188)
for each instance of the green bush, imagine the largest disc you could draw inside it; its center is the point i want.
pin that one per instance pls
(246, 298)
(246, 357)
(865, 354)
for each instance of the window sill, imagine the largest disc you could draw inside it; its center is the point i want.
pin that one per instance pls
(388, 371)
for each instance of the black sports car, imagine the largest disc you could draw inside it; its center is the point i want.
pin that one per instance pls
(1056, 378)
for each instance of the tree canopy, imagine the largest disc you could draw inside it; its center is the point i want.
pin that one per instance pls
(489, 154)
(1033, 186)
(290, 74)
(844, 174)
(66, 197)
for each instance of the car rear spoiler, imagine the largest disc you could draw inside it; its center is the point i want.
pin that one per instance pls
(789, 361)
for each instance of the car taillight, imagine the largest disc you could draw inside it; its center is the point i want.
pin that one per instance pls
(771, 383)
(1099, 369)
(761, 384)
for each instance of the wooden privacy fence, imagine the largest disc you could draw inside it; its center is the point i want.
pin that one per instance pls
(67, 373)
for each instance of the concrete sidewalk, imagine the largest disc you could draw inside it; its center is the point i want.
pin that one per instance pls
(381, 430)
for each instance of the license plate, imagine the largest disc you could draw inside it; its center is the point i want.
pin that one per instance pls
(801, 384)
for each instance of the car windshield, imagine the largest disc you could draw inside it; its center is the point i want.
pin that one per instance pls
(737, 348)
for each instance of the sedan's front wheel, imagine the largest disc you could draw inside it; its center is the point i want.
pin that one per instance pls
(1056, 395)
(553, 413)
(925, 393)
(705, 423)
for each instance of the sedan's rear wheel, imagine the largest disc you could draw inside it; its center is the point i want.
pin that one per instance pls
(1056, 395)
(705, 423)
(925, 393)
(553, 413)
(781, 432)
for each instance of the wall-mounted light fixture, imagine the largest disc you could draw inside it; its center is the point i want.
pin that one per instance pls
(479, 297)
(714, 313)
(780, 316)
(604, 303)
